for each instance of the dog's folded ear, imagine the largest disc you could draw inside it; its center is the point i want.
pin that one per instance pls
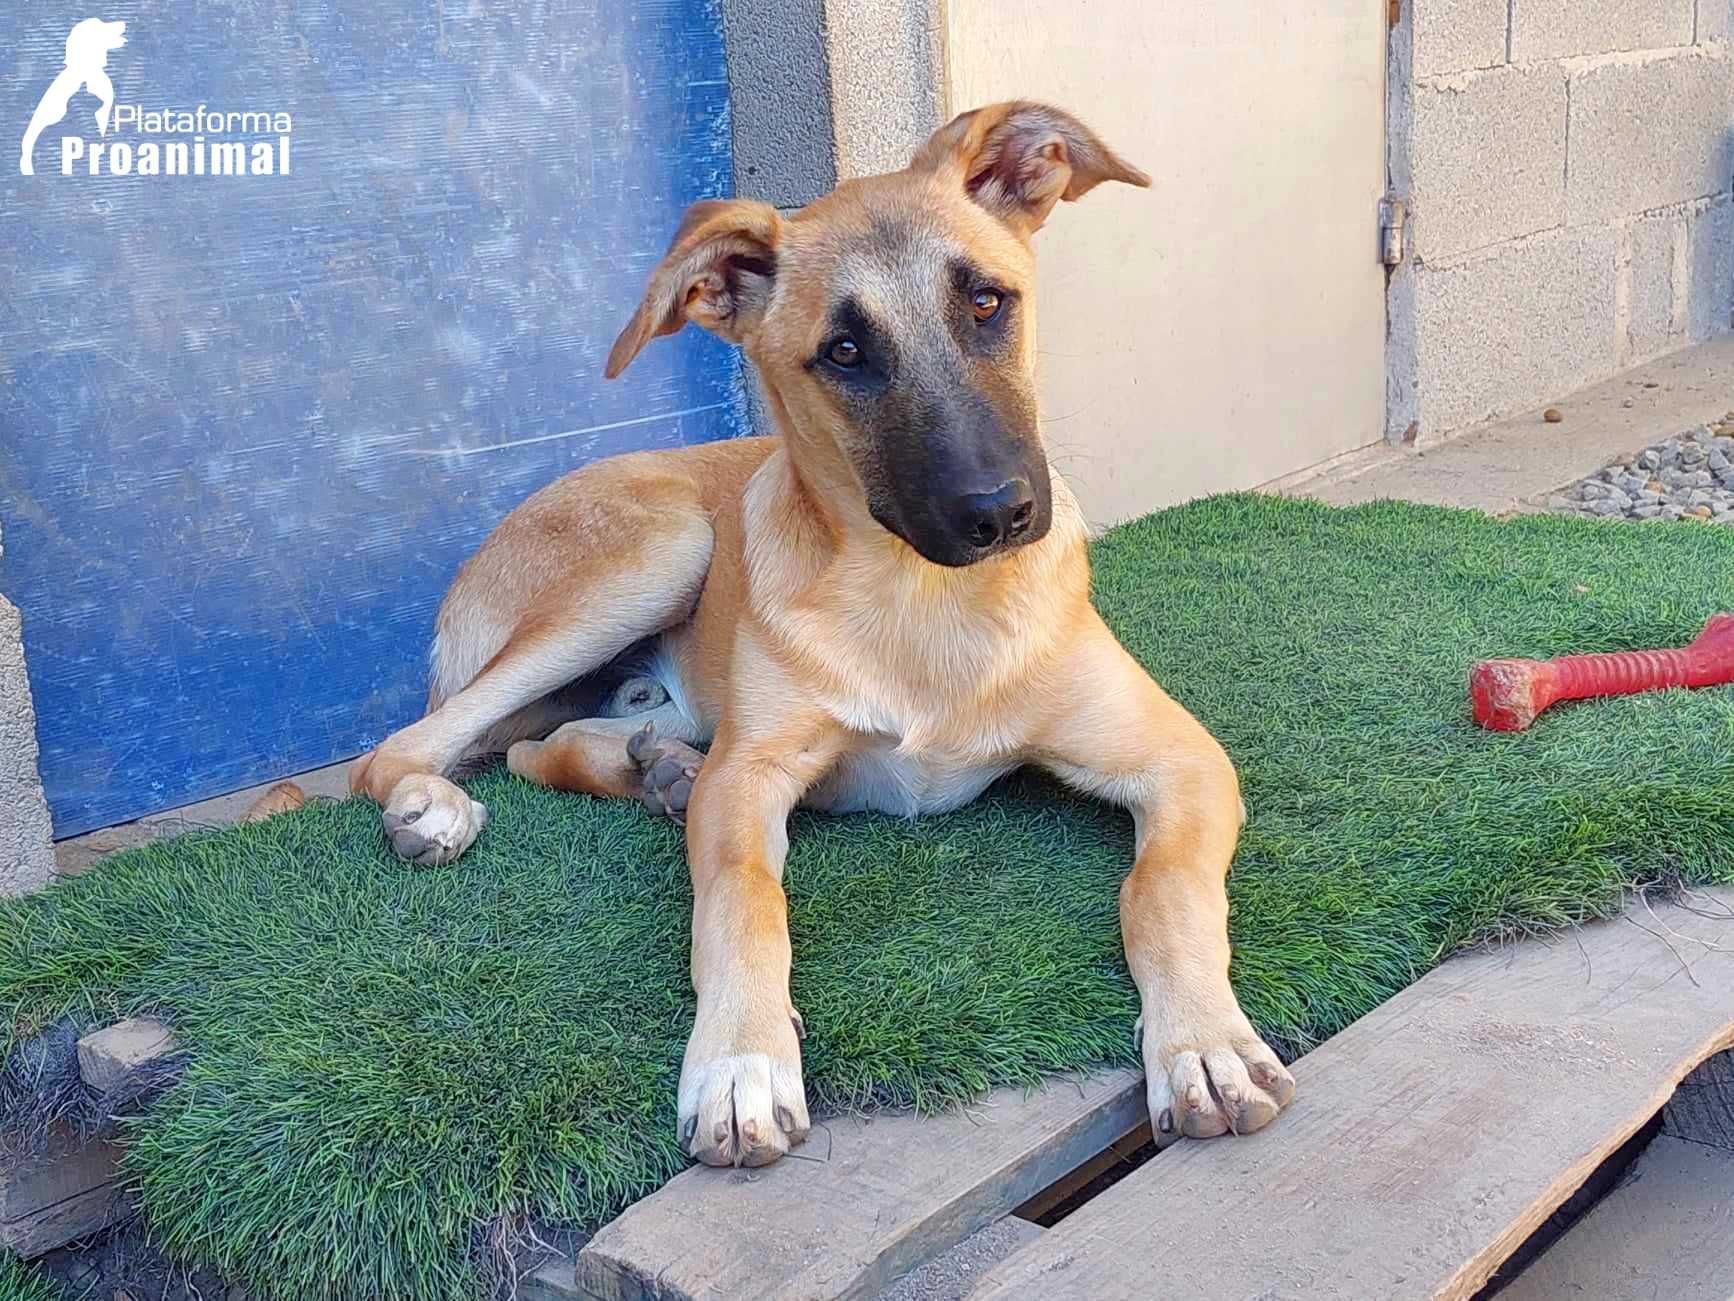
(1018, 159)
(717, 274)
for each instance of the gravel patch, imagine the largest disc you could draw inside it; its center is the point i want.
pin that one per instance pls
(1688, 477)
(951, 1276)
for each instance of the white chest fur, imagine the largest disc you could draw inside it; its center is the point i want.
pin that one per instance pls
(883, 779)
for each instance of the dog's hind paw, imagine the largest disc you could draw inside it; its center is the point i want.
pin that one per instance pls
(430, 821)
(669, 767)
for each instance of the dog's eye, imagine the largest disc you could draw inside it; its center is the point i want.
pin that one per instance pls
(844, 352)
(985, 304)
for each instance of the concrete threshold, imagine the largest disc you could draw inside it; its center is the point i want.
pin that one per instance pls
(79, 854)
(1510, 465)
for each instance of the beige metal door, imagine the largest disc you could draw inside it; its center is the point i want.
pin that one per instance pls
(1226, 326)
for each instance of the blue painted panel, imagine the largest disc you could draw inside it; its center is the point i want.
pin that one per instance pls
(250, 425)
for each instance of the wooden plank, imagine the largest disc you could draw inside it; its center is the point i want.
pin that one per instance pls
(76, 1217)
(1605, 1178)
(66, 1168)
(1702, 1108)
(1667, 1231)
(861, 1203)
(1069, 1186)
(1427, 1140)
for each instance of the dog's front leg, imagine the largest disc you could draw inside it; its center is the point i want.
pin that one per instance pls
(1121, 737)
(742, 1101)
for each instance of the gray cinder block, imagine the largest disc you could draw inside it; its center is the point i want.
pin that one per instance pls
(1634, 142)
(1556, 29)
(1455, 35)
(1488, 159)
(1530, 321)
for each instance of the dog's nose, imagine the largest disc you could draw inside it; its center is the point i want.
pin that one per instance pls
(989, 518)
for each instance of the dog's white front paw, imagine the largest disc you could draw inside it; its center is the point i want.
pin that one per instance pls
(744, 1107)
(430, 821)
(1207, 1072)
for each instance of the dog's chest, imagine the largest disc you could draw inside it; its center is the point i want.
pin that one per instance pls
(881, 778)
(928, 738)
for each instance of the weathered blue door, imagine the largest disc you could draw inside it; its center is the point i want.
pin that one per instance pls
(251, 423)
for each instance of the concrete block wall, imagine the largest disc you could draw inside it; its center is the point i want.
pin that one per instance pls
(1567, 165)
(824, 90)
(26, 851)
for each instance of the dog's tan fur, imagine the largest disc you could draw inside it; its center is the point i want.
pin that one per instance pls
(821, 655)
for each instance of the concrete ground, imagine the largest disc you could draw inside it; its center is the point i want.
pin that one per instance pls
(81, 853)
(1512, 464)
(952, 1276)
(1666, 1229)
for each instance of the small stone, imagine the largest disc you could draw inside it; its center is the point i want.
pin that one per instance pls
(1646, 510)
(1628, 403)
(1649, 459)
(105, 1057)
(1695, 479)
(1726, 477)
(1619, 498)
(1553, 415)
(1700, 497)
(1655, 485)
(1605, 507)
(1593, 490)
(1673, 512)
(1647, 498)
(1693, 453)
(1718, 460)
(1702, 512)
(1631, 482)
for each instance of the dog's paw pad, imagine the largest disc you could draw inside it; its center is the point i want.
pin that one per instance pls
(670, 768)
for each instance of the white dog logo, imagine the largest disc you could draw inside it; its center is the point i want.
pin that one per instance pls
(87, 49)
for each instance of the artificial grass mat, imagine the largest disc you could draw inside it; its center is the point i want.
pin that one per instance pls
(393, 1066)
(19, 1283)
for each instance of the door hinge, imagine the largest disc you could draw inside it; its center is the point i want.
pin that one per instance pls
(1392, 214)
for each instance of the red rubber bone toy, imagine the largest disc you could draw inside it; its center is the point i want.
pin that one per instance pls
(1508, 694)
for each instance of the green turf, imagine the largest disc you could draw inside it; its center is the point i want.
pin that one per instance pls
(390, 1062)
(19, 1283)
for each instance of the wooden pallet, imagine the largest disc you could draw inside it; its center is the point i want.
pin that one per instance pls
(1426, 1142)
(73, 1188)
